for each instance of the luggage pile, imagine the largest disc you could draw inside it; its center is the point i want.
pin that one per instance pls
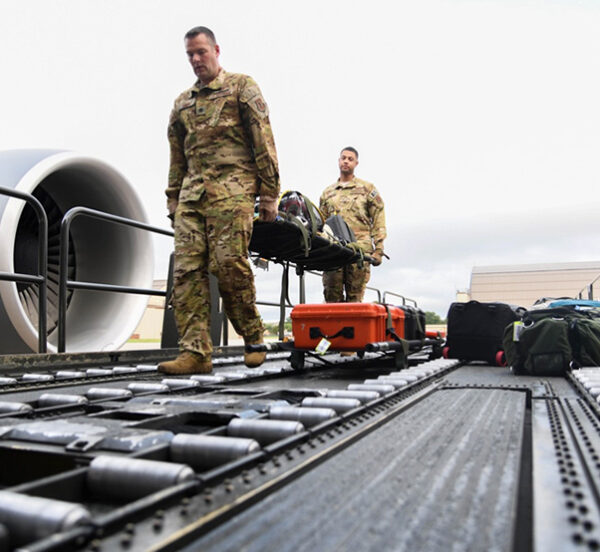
(540, 341)
(550, 341)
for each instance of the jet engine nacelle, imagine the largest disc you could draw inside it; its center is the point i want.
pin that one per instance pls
(100, 252)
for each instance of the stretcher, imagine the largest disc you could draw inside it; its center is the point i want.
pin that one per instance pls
(334, 327)
(284, 241)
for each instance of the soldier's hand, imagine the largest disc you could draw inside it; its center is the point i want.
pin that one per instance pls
(172, 207)
(377, 257)
(267, 209)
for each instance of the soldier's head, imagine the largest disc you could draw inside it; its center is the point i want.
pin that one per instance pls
(203, 52)
(348, 161)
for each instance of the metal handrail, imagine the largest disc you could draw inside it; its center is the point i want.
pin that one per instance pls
(404, 299)
(589, 289)
(63, 283)
(41, 279)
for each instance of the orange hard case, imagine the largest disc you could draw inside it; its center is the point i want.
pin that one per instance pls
(348, 326)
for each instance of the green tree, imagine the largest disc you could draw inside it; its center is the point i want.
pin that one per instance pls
(433, 318)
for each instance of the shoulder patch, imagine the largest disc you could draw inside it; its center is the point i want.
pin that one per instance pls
(259, 104)
(373, 194)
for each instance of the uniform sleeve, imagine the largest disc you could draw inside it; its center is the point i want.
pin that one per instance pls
(323, 207)
(255, 118)
(177, 163)
(377, 215)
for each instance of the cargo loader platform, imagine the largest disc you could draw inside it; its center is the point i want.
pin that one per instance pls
(352, 454)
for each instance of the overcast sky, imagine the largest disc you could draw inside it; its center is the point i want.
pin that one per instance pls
(478, 121)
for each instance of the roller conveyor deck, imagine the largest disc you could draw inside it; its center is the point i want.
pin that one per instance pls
(434, 457)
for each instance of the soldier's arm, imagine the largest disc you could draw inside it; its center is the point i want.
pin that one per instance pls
(377, 216)
(177, 163)
(323, 207)
(255, 117)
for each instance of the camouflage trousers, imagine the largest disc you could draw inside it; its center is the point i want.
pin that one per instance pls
(351, 278)
(213, 238)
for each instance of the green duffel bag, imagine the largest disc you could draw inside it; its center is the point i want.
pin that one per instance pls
(584, 334)
(538, 347)
(549, 341)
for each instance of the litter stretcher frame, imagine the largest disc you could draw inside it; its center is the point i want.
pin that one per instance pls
(319, 252)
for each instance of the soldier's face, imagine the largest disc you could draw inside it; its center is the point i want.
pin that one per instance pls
(347, 162)
(204, 57)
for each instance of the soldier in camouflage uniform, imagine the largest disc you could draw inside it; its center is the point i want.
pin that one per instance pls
(222, 157)
(361, 206)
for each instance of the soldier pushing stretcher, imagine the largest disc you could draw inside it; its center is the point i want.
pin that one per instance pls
(361, 206)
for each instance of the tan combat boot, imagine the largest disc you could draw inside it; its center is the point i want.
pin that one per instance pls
(252, 360)
(187, 363)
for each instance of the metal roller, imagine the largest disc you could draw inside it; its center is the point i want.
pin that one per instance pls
(208, 379)
(147, 367)
(14, 407)
(362, 396)
(307, 416)
(209, 451)
(173, 383)
(407, 377)
(390, 379)
(57, 399)
(395, 383)
(133, 478)
(232, 375)
(95, 393)
(37, 377)
(7, 381)
(98, 372)
(124, 370)
(31, 518)
(421, 373)
(339, 405)
(264, 431)
(68, 374)
(382, 388)
(137, 388)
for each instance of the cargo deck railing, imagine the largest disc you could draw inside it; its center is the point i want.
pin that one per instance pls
(41, 278)
(65, 284)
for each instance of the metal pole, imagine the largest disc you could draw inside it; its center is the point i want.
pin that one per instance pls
(42, 262)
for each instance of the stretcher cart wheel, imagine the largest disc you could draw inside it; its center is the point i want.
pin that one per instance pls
(446, 352)
(500, 358)
(297, 360)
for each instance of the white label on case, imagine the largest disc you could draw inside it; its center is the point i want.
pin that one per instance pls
(517, 329)
(322, 346)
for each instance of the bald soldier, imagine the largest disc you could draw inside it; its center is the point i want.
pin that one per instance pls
(222, 157)
(361, 206)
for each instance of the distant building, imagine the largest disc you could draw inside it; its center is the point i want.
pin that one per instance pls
(524, 284)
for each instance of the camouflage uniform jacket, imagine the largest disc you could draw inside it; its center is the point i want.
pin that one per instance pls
(221, 143)
(361, 206)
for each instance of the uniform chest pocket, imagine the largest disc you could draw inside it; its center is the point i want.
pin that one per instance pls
(202, 113)
(209, 112)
